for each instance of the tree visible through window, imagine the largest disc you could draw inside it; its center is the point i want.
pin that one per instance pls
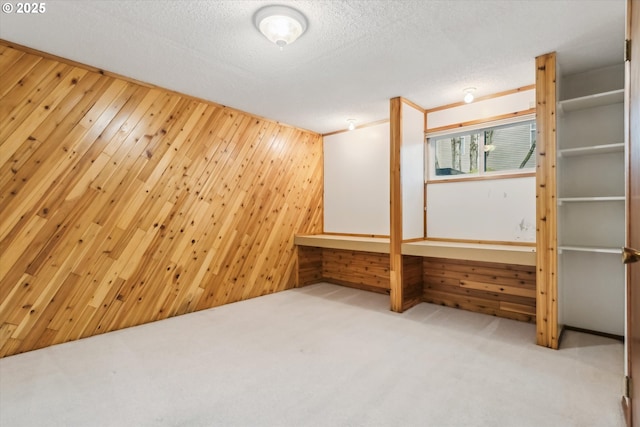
(504, 148)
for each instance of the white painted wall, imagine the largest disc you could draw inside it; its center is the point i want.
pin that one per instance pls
(412, 172)
(356, 181)
(592, 291)
(501, 209)
(492, 209)
(507, 104)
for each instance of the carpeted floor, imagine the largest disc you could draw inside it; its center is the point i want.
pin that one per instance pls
(322, 355)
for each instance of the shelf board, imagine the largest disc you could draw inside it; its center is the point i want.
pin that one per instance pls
(562, 200)
(593, 249)
(591, 101)
(595, 149)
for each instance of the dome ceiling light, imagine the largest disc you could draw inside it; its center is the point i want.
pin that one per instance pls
(281, 25)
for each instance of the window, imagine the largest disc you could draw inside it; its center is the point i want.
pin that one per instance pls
(492, 150)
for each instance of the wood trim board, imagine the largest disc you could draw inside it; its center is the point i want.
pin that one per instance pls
(395, 245)
(481, 98)
(547, 330)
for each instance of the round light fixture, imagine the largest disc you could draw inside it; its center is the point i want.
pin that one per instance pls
(352, 124)
(281, 25)
(468, 94)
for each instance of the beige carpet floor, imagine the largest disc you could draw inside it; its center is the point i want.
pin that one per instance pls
(322, 355)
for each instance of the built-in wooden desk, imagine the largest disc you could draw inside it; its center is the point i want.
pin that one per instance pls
(505, 254)
(487, 278)
(352, 243)
(359, 262)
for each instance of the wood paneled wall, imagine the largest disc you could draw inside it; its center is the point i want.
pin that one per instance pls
(362, 270)
(123, 204)
(502, 290)
(309, 265)
(355, 269)
(412, 281)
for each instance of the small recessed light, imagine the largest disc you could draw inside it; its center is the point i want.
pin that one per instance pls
(468, 94)
(352, 124)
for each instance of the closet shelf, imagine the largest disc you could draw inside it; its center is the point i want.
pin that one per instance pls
(595, 149)
(562, 200)
(591, 101)
(593, 249)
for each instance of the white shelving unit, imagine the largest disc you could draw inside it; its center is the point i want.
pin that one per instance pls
(591, 101)
(594, 149)
(592, 249)
(562, 200)
(591, 201)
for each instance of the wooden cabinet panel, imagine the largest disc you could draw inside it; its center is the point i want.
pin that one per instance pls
(503, 290)
(365, 270)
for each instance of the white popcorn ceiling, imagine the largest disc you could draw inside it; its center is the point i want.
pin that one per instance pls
(355, 56)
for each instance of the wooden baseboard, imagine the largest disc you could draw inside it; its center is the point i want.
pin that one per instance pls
(589, 331)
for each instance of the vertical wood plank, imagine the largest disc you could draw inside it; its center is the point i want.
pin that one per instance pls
(412, 281)
(395, 230)
(546, 204)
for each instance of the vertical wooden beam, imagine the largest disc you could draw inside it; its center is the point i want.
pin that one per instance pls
(425, 177)
(546, 204)
(631, 402)
(395, 229)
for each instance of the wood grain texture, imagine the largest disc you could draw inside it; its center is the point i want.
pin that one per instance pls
(362, 270)
(502, 290)
(481, 98)
(122, 204)
(546, 203)
(309, 266)
(368, 271)
(395, 228)
(485, 120)
(411, 281)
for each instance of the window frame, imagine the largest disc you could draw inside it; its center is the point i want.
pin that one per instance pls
(481, 174)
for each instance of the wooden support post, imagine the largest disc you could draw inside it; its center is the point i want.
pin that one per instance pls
(546, 204)
(395, 230)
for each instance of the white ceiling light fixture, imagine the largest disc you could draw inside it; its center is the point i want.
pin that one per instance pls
(281, 25)
(468, 94)
(352, 124)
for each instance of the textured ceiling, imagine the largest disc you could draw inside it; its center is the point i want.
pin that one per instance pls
(353, 58)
